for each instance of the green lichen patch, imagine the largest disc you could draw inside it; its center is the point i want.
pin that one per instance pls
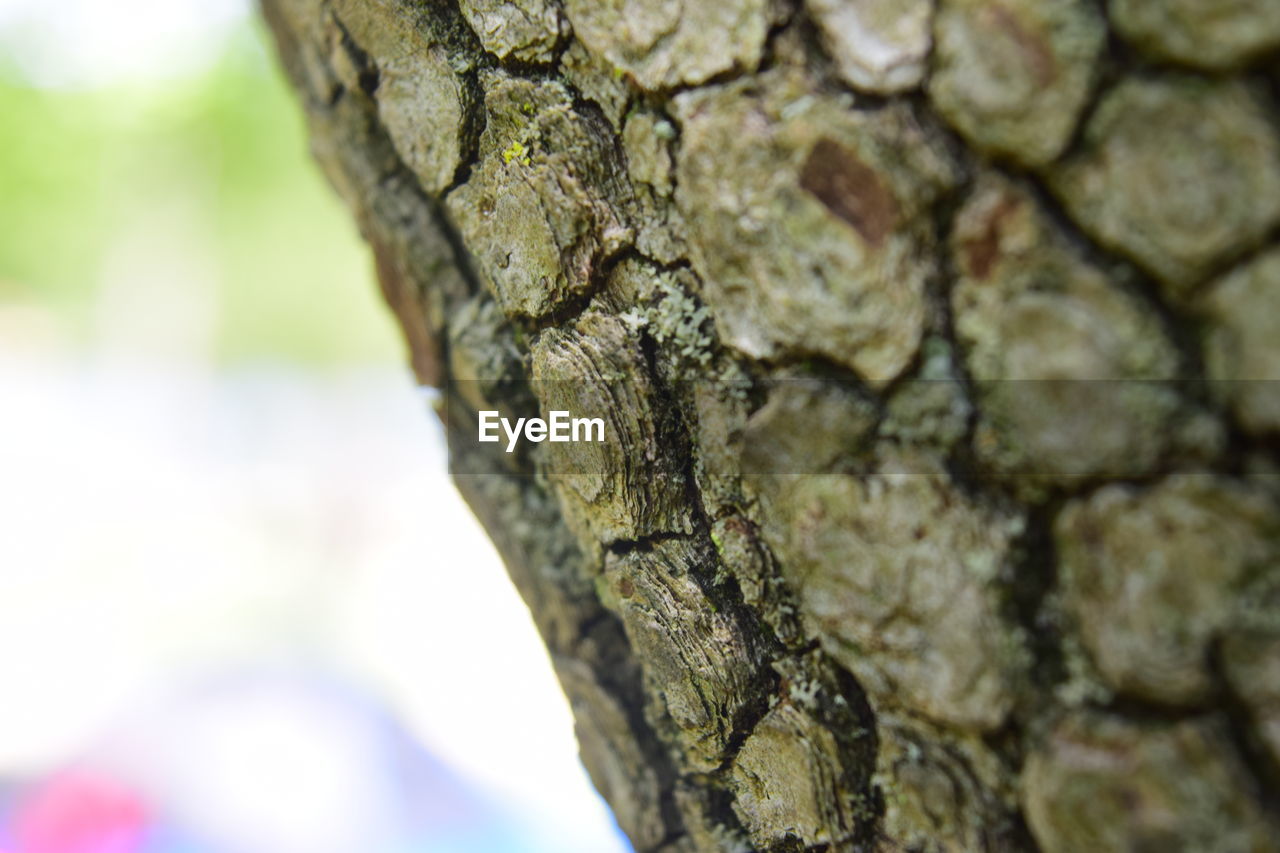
(1178, 174)
(1152, 577)
(518, 152)
(809, 222)
(1013, 76)
(661, 303)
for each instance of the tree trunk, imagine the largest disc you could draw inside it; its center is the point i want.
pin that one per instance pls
(936, 508)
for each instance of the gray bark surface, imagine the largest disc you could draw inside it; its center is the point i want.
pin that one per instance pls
(935, 342)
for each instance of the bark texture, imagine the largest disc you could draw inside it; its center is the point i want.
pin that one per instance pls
(939, 510)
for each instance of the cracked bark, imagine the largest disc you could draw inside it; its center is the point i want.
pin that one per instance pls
(935, 343)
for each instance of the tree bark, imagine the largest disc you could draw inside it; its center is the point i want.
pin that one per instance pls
(937, 509)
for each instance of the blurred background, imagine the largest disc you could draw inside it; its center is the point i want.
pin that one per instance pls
(241, 606)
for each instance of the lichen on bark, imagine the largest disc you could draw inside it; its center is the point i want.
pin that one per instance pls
(937, 349)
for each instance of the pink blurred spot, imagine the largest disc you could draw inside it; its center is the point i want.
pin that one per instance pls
(78, 813)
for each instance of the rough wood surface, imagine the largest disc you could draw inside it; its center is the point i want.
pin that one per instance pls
(939, 505)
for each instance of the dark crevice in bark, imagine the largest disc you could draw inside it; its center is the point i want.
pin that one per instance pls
(574, 306)
(444, 20)
(1142, 710)
(473, 124)
(788, 12)
(619, 674)
(1181, 328)
(720, 587)
(1273, 84)
(645, 544)
(368, 75)
(1016, 835)
(959, 462)
(461, 255)
(1116, 62)
(1035, 576)
(1242, 729)
(601, 643)
(823, 64)
(857, 751)
(800, 364)
(528, 69)
(1233, 263)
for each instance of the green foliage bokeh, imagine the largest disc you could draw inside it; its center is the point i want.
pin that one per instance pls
(226, 148)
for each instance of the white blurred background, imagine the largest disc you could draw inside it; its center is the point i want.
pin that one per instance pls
(241, 606)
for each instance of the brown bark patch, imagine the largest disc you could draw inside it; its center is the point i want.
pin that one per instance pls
(401, 295)
(851, 190)
(1035, 49)
(982, 251)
